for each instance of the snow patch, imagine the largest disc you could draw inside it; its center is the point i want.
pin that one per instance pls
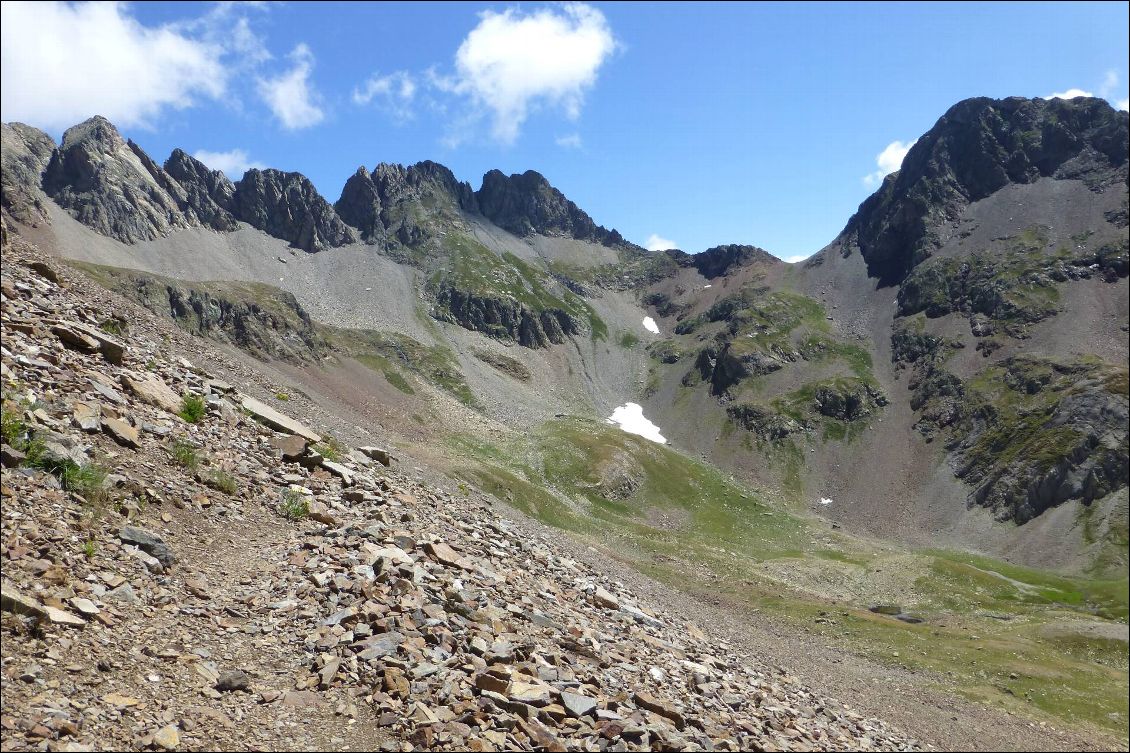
(631, 419)
(650, 325)
(704, 287)
(825, 501)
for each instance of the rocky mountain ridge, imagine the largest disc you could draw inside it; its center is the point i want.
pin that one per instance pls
(112, 186)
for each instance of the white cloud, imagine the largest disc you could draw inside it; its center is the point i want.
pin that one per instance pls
(290, 96)
(571, 141)
(233, 163)
(1070, 94)
(63, 63)
(888, 160)
(657, 243)
(395, 93)
(1123, 104)
(1110, 83)
(795, 259)
(513, 62)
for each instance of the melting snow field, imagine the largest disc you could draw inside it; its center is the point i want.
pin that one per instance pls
(650, 325)
(631, 419)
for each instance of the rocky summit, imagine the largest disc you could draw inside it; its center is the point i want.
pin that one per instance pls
(430, 467)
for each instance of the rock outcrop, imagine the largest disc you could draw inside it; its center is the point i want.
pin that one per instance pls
(504, 318)
(526, 204)
(24, 154)
(978, 147)
(413, 197)
(267, 322)
(360, 205)
(109, 185)
(207, 192)
(721, 260)
(287, 206)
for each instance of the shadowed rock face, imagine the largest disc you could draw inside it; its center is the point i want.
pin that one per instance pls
(721, 260)
(208, 192)
(287, 206)
(526, 204)
(275, 327)
(24, 155)
(360, 204)
(504, 318)
(978, 147)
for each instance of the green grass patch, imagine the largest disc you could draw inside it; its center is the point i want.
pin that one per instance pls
(388, 352)
(184, 454)
(192, 408)
(293, 504)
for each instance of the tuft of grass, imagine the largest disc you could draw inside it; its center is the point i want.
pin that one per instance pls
(86, 480)
(628, 340)
(113, 326)
(282, 396)
(12, 426)
(331, 449)
(89, 547)
(222, 481)
(184, 454)
(293, 504)
(192, 408)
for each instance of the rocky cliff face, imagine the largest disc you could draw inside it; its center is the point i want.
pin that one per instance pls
(287, 206)
(360, 205)
(526, 204)
(24, 154)
(208, 192)
(402, 204)
(267, 322)
(112, 187)
(978, 147)
(504, 318)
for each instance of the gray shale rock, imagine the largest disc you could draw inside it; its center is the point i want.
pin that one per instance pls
(148, 542)
(24, 154)
(287, 206)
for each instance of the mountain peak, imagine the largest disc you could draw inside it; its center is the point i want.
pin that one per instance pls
(286, 205)
(526, 204)
(977, 147)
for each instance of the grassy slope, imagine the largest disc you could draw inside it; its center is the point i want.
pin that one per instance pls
(990, 628)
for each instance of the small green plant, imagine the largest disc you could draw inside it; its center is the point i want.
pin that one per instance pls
(86, 480)
(331, 449)
(192, 408)
(282, 396)
(464, 489)
(222, 481)
(89, 547)
(151, 364)
(12, 425)
(293, 504)
(184, 454)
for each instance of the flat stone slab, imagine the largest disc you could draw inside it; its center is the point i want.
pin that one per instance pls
(153, 390)
(271, 417)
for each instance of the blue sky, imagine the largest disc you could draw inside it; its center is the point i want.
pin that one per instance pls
(696, 124)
